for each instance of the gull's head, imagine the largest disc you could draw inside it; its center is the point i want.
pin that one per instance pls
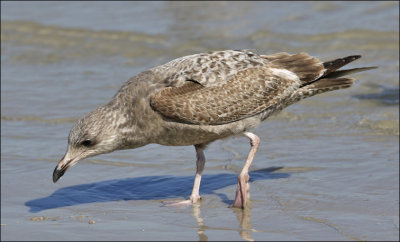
(94, 134)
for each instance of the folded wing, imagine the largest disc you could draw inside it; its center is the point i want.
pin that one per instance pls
(243, 95)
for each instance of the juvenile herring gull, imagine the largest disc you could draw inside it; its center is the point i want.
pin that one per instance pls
(197, 99)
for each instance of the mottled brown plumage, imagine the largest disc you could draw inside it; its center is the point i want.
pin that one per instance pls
(197, 99)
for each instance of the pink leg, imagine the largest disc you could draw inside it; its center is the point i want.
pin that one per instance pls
(195, 196)
(201, 160)
(243, 187)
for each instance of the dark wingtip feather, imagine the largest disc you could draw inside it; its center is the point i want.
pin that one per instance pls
(340, 73)
(337, 63)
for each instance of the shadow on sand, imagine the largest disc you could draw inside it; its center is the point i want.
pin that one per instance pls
(145, 188)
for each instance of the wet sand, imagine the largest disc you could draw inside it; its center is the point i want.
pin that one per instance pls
(327, 167)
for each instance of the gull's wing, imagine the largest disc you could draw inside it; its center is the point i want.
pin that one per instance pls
(244, 94)
(226, 86)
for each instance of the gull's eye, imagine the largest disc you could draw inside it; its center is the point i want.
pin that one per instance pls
(87, 143)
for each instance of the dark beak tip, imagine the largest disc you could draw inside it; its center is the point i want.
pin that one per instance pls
(57, 174)
(55, 179)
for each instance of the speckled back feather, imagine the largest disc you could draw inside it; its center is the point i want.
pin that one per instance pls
(208, 69)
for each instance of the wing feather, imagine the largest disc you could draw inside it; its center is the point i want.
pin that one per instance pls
(226, 86)
(245, 94)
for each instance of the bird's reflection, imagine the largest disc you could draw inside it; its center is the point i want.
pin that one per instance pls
(243, 217)
(200, 223)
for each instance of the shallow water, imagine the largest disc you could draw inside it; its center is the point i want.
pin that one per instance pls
(327, 167)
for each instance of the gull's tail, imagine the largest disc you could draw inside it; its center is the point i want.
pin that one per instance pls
(332, 78)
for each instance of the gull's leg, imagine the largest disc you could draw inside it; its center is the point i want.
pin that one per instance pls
(201, 160)
(243, 187)
(195, 196)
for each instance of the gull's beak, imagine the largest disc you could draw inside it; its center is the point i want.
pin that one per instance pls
(58, 172)
(62, 166)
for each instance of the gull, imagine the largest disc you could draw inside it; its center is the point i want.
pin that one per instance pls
(200, 98)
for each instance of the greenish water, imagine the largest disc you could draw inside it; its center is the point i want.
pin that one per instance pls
(327, 167)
